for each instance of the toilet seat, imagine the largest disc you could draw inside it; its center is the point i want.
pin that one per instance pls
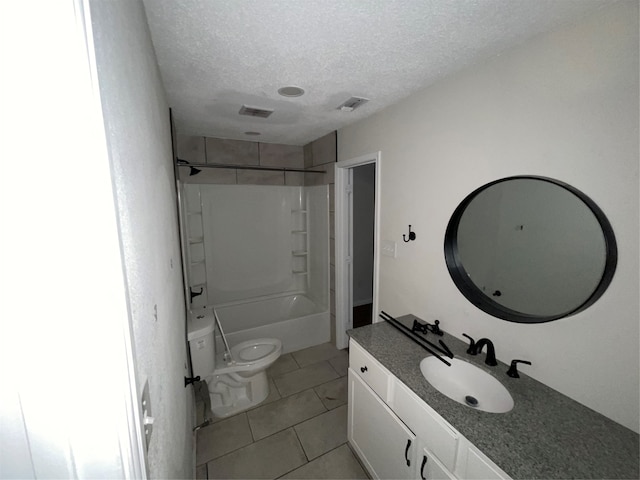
(252, 355)
(256, 351)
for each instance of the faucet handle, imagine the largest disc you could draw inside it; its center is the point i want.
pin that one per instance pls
(472, 345)
(435, 328)
(513, 369)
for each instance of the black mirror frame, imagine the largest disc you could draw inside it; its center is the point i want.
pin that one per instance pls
(486, 304)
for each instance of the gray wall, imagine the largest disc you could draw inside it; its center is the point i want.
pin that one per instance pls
(563, 105)
(138, 133)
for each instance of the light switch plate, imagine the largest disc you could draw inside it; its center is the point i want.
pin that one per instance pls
(389, 248)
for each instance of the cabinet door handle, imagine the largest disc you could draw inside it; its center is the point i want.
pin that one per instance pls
(424, 462)
(406, 453)
(363, 369)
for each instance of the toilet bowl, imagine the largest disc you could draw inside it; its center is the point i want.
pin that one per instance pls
(252, 356)
(237, 377)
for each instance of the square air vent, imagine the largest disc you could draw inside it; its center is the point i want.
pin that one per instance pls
(255, 111)
(353, 103)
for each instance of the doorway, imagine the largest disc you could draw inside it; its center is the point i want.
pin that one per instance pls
(357, 235)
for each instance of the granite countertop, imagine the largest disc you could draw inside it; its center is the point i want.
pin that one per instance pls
(546, 435)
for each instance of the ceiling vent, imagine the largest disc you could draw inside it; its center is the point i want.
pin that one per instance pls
(353, 103)
(255, 111)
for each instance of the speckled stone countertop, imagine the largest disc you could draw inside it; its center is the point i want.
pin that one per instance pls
(546, 435)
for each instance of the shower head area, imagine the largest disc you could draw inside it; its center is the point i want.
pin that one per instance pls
(260, 255)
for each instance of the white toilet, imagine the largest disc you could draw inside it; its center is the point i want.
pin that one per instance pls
(237, 378)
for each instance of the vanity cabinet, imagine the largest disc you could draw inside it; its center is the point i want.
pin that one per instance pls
(397, 435)
(382, 441)
(431, 468)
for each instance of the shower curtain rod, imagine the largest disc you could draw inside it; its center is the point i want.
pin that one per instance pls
(184, 163)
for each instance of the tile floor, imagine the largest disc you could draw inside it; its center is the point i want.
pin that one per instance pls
(299, 431)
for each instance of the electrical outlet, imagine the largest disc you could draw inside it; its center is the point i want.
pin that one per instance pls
(389, 248)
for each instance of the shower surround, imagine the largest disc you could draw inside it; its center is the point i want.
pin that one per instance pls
(260, 255)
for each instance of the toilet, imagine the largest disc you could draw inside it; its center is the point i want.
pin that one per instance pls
(237, 378)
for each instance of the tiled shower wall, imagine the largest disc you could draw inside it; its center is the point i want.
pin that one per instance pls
(240, 153)
(321, 154)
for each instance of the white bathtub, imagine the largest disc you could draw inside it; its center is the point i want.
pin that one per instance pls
(294, 319)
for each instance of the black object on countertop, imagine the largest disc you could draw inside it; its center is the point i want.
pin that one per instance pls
(427, 327)
(443, 349)
(491, 351)
(513, 369)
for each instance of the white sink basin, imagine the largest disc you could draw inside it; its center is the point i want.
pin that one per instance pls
(467, 384)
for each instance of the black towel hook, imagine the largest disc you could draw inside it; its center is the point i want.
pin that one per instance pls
(412, 236)
(193, 294)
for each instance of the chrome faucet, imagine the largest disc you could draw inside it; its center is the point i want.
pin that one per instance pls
(491, 351)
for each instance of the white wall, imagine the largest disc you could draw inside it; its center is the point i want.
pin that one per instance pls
(138, 135)
(563, 105)
(67, 409)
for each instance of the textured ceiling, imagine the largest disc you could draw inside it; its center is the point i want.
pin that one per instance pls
(216, 55)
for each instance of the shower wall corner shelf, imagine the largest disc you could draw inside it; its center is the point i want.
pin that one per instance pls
(300, 240)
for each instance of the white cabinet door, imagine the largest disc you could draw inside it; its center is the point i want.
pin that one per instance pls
(435, 434)
(382, 441)
(478, 467)
(431, 469)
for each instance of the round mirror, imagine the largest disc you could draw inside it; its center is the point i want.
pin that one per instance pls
(530, 249)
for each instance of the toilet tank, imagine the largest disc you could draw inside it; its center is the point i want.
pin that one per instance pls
(200, 333)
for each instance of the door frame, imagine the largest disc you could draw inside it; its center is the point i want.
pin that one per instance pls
(344, 242)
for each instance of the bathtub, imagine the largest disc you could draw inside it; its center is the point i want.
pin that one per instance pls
(294, 319)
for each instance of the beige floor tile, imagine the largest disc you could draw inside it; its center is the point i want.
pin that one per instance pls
(341, 363)
(324, 432)
(333, 393)
(268, 458)
(284, 364)
(284, 413)
(222, 437)
(315, 354)
(305, 378)
(340, 463)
